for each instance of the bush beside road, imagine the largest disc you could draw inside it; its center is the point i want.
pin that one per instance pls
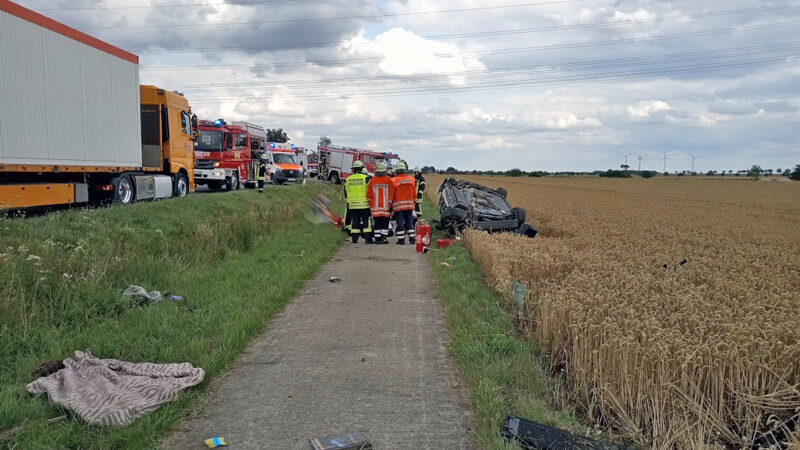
(236, 258)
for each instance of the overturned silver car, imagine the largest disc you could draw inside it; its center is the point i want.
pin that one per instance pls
(464, 204)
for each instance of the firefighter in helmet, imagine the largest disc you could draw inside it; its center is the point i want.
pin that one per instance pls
(420, 185)
(355, 192)
(403, 203)
(380, 191)
(261, 172)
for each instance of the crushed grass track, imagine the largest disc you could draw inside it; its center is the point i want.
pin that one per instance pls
(236, 258)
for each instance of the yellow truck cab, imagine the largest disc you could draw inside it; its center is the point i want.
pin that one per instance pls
(168, 132)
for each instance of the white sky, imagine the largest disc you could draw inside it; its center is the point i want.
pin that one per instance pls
(541, 85)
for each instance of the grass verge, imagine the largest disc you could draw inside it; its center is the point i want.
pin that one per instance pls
(505, 373)
(236, 258)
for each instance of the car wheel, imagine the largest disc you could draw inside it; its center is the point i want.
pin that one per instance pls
(522, 215)
(181, 186)
(335, 178)
(123, 189)
(503, 192)
(454, 220)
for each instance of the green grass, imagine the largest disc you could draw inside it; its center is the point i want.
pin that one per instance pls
(505, 373)
(236, 258)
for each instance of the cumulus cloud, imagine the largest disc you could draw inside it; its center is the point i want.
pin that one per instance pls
(481, 88)
(648, 109)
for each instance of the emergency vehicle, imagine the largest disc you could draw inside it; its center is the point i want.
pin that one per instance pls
(226, 154)
(282, 163)
(336, 163)
(302, 158)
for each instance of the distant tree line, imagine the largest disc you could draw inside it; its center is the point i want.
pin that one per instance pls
(754, 172)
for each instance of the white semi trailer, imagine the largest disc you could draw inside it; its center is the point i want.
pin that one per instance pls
(76, 126)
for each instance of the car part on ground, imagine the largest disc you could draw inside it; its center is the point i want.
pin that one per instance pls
(464, 204)
(531, 435)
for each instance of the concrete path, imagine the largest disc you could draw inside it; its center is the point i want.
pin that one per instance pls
(366, 354)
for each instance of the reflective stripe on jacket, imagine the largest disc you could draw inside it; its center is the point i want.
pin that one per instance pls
(405, 193)
(380, 192)
(355, 189)
(420, 187)
(261, 171)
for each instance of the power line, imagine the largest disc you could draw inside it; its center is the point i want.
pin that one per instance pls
(530, 82)
(506, 71)
(479, 33)
(322, 19)
(483, 52)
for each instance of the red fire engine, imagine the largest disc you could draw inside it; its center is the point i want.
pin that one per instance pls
(335, 163)
(226, 154)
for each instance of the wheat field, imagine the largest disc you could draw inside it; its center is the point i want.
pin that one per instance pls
(704, 354)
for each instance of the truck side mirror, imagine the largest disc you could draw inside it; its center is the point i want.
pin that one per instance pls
(228, 141)
(195, 130)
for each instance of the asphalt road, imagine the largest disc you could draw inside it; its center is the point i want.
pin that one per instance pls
(366, 354)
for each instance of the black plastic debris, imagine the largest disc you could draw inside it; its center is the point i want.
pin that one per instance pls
(675, 267)
(347, 441)
(530, 435)
(334, 279)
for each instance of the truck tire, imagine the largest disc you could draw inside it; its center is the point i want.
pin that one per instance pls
(180, 186)
(335, 178)
(522, 215)
(503, 192)
(232, 183)
(123, 189)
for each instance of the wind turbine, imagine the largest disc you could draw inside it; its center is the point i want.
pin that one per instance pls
(639, 157)
(626, 157)
(693, 158)
(665, 159)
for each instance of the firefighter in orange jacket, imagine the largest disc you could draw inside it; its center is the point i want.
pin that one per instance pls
(403, 203)
(380, 192)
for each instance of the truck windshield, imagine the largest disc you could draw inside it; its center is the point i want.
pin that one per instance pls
(209, 141)
(284, 158)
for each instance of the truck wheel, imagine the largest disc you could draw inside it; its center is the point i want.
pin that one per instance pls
(335, 178)
(522, 215)
(232, 183)
(123, 189)
(181, 187)
(503, 192)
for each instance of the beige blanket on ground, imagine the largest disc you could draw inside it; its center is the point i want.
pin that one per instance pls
(114, 393)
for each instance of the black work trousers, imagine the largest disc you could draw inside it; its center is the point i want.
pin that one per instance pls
(359, 222)
(405, 225)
